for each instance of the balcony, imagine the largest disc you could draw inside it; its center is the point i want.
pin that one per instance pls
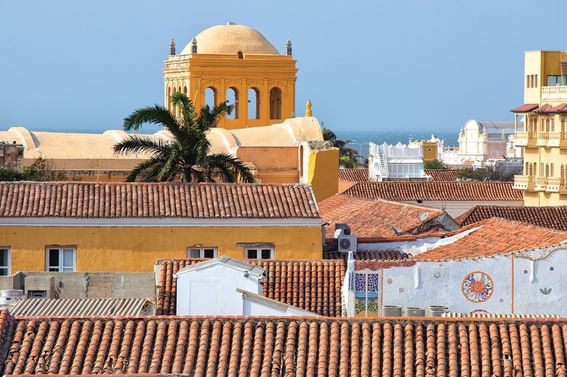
(542, 138)
(524, 182)
(558, 92)
(553, 184)
(526, 139)
(540, 184)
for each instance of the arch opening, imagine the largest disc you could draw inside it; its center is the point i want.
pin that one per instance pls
(210, 96)
(232, 99)
(253, 103)
(275, 103)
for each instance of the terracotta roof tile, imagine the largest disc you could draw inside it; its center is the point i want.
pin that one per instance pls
(313, 285)
(156, 200)
(385, 255)
(442, 174)
(353, 175)
(436, 191)
(238, 346)
(493, 237)
(525, 108)
(547, 217)
(374, 218)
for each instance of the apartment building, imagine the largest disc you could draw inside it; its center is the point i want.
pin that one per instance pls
(541, 129)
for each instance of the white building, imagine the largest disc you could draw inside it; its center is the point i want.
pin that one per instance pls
(226, 286)
(399, 161)
(480, 141)
(471, 271)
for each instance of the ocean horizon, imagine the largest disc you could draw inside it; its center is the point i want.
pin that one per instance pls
(359, 139)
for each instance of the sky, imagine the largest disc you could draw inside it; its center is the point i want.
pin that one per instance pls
(419, 65)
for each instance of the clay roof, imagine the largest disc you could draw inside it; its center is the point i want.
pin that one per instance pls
(373, 218)
(156, 200)
(238, 346)
(312, 285)
(434, 191)
(354, 175)
(548, 217)
(525, 108)
(113, 306)
(386, 255)
(442, 174)
(492, 237)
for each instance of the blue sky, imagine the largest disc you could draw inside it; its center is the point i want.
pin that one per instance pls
(366, 65)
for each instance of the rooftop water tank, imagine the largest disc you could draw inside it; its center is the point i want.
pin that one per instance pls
(391, 311)
(414, 312)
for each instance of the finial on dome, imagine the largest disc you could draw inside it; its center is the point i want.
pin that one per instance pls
(308, 110)
(289, 49)
(194, 46)
(231, 23)
(171, 47)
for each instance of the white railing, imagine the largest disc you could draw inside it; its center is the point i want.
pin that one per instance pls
(554, 92)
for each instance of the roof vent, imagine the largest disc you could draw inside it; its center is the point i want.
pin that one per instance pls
(435, 310)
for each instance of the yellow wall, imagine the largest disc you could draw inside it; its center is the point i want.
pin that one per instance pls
(137, 249)
(429, 150)
(197, 72)
(323, 172)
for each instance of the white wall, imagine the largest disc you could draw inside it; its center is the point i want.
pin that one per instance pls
(457, 208)
(518, 285)
(212, 290)
(255, 308)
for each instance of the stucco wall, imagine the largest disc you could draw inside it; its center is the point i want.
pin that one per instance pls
(323, 173)
(517, 285)
(457, 208)
(135, 249)
(212, 291)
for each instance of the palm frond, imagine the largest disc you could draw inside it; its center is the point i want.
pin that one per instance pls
(230, 168)
(142, 169)
(209, 117)
(141, 144)
(187, 107)
(155, 114)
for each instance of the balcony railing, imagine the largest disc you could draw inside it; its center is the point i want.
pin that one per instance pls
(526, 139)
(540, 184)
(524, 182)
(554, 92)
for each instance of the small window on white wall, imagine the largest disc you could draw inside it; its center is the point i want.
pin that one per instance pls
(4, 261)
(202, 252)
(260, 253)
(61, 259)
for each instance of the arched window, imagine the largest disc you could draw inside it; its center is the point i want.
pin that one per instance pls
(253, 103)
(551, 170)
(275, 103)
(211, 96)
(168, 99)
(185, 90)
(527, 168)
(547, 170)
(232, 99)
(562, 174)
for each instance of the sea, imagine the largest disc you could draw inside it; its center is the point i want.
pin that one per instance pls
(359, 139)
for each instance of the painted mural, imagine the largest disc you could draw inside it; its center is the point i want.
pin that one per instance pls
(366, 294)
(477, 287)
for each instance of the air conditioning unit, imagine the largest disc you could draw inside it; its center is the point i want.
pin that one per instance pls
(347, 243)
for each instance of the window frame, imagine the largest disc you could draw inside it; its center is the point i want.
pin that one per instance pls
(259, 251)
(8, 268)
(202, 250)
(61, 267)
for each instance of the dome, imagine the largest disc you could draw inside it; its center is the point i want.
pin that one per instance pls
(229, 39)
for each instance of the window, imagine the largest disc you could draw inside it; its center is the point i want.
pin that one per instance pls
(275, 103)
(61, 259)
(553, 80)
(232, 99)
(531, 81)
(253, 103)
(202, 252)
(260, 253)
(4, 261)
(37, 294)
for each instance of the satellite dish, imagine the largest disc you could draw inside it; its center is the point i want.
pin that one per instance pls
(424, 216)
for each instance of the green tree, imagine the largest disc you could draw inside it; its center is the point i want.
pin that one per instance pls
(41, 171)
(348, 157)
(10, 175)
(187, 157)
(434, 164)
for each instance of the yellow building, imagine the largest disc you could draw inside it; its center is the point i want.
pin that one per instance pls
(541, 129)
(234, 63)
(126, 227)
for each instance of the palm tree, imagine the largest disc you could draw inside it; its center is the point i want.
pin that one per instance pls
(348, 157)
(187, 156)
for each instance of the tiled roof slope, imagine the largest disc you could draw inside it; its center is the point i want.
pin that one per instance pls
(442, 174)
(354, 175)
(373, 218)
(155, 200)
(230, 347)
(493, 237)
(436, 191)
(312, 285)
(112, 306)
(548, 217)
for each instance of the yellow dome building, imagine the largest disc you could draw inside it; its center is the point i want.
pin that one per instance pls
(234, 63)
